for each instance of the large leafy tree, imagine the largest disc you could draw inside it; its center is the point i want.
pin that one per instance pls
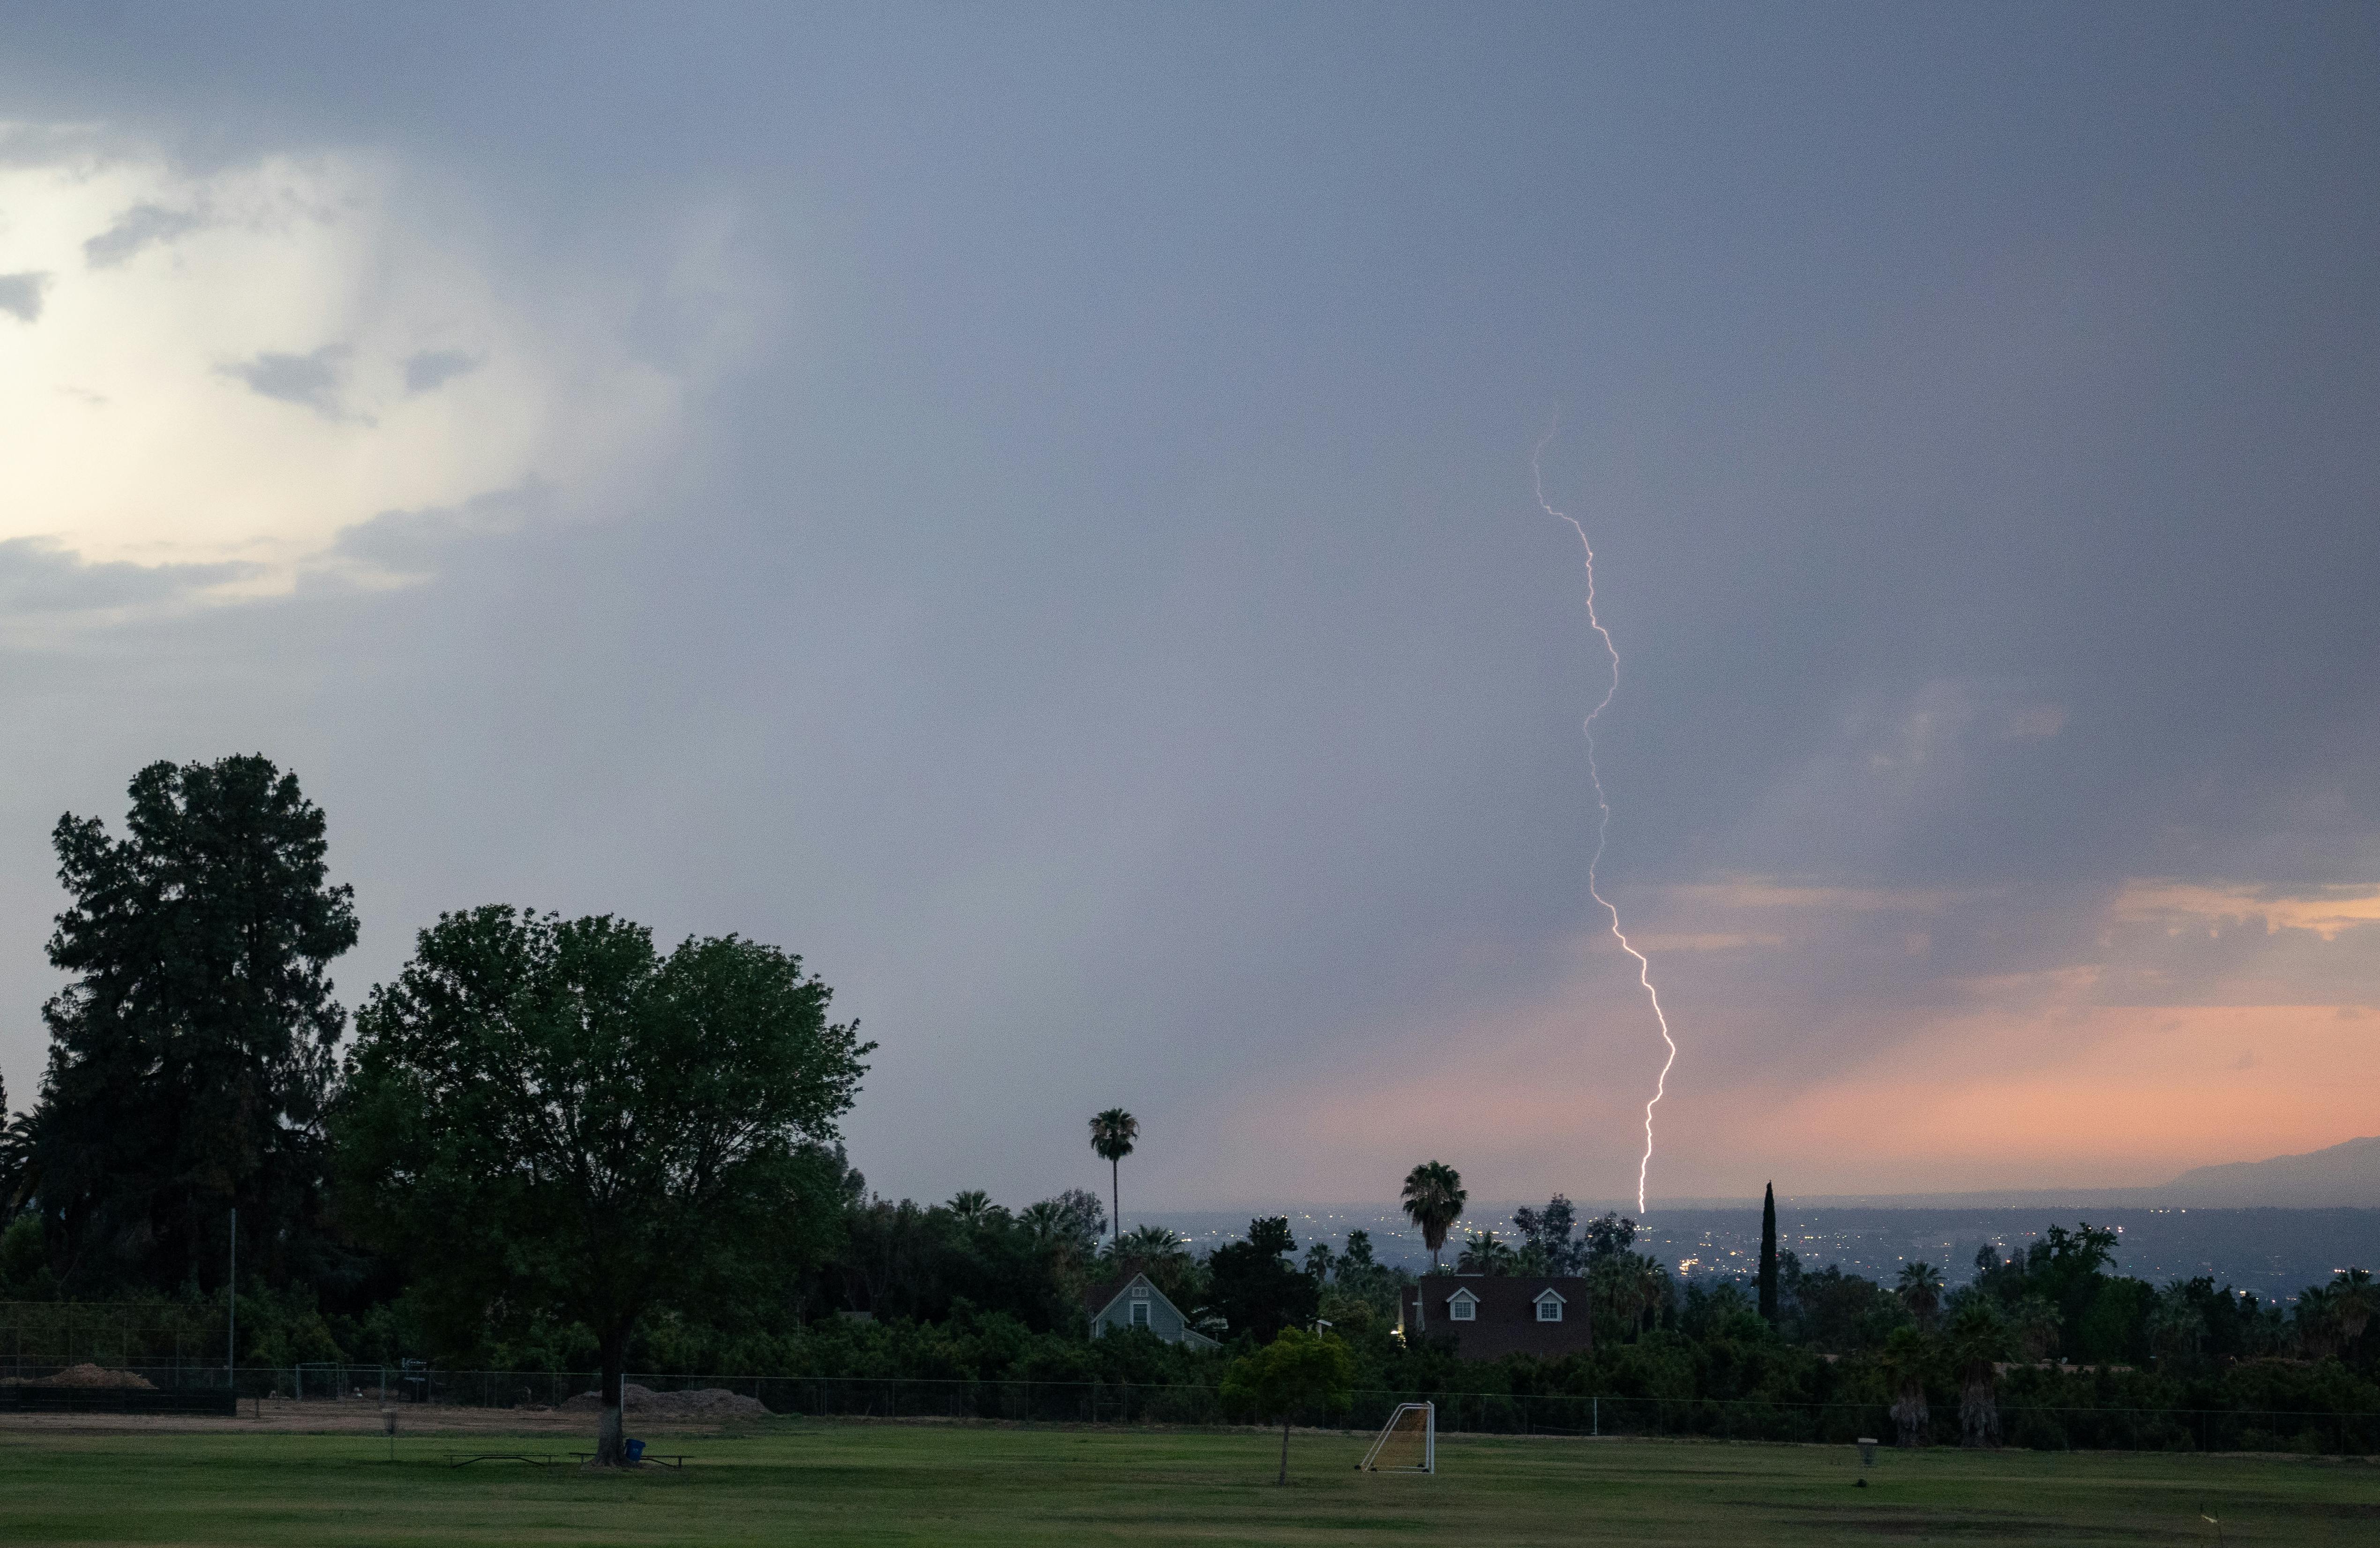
(550, 1115)
(1546, 1242)
(191, 1057)
(1607, 1237)
(1256, 1286)
(1434, 1197)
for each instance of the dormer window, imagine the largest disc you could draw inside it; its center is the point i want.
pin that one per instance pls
(1140, 1292)
(1462, 1307)
(1550, 1307)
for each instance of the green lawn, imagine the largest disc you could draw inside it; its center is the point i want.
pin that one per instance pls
(819, 1483)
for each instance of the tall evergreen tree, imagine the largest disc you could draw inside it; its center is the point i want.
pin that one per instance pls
(1768, 1256)
(190, 1057)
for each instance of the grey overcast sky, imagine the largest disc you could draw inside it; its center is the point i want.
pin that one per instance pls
(1030, 507)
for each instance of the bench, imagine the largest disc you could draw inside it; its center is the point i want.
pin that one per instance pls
(454, 1461)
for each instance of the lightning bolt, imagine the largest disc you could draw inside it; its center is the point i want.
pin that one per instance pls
(1603, 813)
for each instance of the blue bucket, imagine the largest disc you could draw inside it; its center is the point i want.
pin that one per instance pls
(636, 1450)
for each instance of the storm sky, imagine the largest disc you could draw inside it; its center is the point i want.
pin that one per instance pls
(1030, 508)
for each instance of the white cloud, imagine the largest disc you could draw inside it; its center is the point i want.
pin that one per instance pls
(221, 371)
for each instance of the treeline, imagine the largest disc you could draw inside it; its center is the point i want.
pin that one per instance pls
(551, 1145)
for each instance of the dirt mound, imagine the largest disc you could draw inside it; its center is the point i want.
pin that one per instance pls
(697, 1403)
(90, 1375)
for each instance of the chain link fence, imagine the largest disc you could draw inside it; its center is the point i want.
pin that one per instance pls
(178, 1348)
(1126, 1402)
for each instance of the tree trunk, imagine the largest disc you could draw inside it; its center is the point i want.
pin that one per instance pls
(1116, 1183)
(1979, 1410)
(610, 1448)
(1911, 1415)
(1284, 1450)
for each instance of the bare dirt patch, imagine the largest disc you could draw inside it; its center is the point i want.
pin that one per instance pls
(697, 1403)
(85, 1375)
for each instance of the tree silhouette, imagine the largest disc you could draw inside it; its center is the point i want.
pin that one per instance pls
(550, 1113)
(1920, 1290)
(191, 1053)
(1980, 1339)
(1112, 1133)
(1299, 1370)
(1768, 1256)
(1434, 1197)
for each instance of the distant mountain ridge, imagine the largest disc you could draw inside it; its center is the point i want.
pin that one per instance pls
(2345, 1175)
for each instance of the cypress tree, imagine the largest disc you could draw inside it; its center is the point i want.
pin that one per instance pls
(1768, 1256)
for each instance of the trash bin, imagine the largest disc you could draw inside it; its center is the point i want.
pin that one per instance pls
(635, 1452)
(1867, 1450)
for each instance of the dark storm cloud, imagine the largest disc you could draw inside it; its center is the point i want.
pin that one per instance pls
(144, 226)
(1110, 632)
(311, 380)
(21, 295)
(37, 576)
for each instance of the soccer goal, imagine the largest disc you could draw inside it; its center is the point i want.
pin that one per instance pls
(1408, 1443)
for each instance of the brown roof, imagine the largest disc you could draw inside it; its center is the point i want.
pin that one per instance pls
(1506, 1318)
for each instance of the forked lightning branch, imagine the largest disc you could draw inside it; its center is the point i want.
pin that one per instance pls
(1603, 819)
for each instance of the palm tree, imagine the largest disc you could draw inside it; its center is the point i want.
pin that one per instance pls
(1482, 1253)
(1148, 1244)
(1629, 1286)
(2354, 1300)
(1650, 1283)
(2174, 1326)
(1979, 1341)
(2034, 1321)
(1044, 1222)
(1434, 1197)
(2318, 1322)
(1906, 1358)
(1112, 1133)
(972, 1205)
(1920, 1290)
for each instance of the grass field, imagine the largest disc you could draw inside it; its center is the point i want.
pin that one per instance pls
(822, 1482)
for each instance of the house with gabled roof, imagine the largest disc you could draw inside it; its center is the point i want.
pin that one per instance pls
(1487, 1316)
(1134, 1301)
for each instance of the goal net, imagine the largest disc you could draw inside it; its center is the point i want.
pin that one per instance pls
(1408, 1443)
